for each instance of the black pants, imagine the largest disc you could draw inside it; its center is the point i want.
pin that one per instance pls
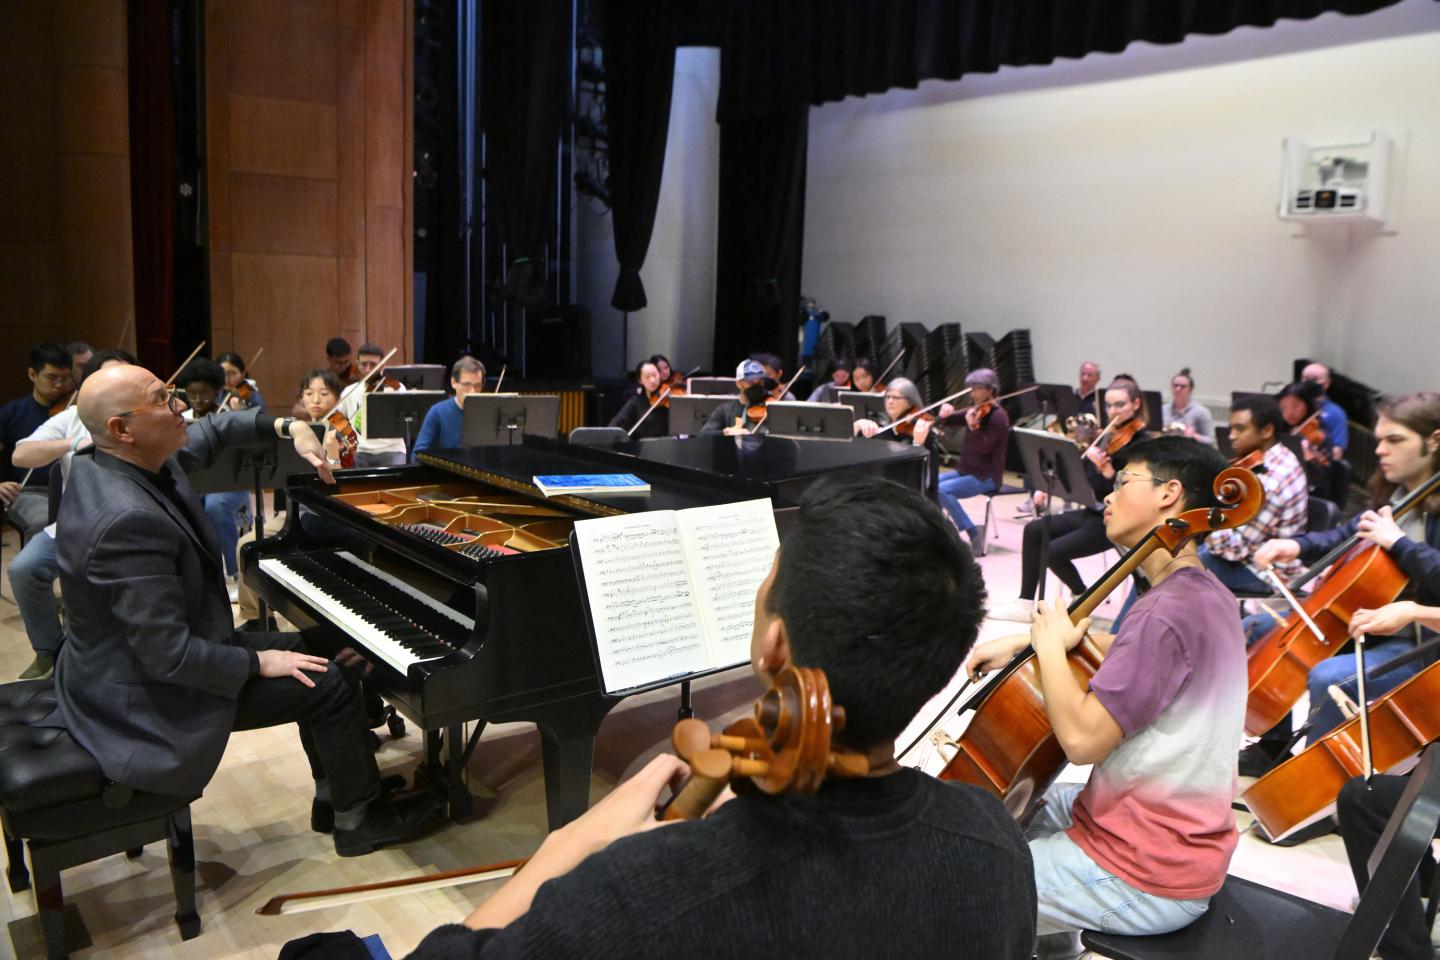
(1363, 814)
(1073, 534)
(332, 722)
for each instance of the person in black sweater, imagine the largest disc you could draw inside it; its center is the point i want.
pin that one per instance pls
(656, 423)
(893, 864)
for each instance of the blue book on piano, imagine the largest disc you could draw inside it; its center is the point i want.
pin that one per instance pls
(589, 484)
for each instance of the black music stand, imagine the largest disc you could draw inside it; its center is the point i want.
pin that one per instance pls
(712, 386)
(1058, 403)
(867, 406)
(254, 467)
(810, 421)
(418, 376)
(501, 419)
(1052, 464)
(689, 413)
(396, 414)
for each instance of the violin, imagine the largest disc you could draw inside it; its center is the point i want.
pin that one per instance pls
(757, 411)
(906, 428)
(1250, 461)
(786, 746)
(243, 392)
(1009, 747)
(662, 399)
(1313, 434)
(1356, 577)
(345, 433)
(983, 410)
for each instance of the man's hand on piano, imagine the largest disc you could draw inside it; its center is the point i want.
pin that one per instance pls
(311, 448)
(289, 663)
(352, 658)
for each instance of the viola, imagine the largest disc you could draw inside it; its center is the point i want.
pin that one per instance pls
(1313, 434)
(662, 398)
(1250, 461)
(345, 432)
(1302, 789)
(1010, 748)
(1123, 434)
(1356, 577)
(786, 746)
(907, 428)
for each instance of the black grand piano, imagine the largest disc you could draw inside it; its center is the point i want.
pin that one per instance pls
(455, 578)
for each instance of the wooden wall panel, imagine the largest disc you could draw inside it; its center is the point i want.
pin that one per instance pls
(308, 121)
(97, 111)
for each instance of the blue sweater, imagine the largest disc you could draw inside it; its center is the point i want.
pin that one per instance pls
(441, 428)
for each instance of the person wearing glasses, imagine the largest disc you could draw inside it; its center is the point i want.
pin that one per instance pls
(153, 676)
(51, 384)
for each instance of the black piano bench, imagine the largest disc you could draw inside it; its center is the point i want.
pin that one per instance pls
(55, 800)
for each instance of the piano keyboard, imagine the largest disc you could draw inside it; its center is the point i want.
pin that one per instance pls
(389, 619)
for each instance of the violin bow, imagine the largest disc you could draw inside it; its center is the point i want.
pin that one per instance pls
(501, 378)
(1269, 574)
(790, 383)
(183, 363)
(663, 394)
(362, 381)
(881, 379)
(290, 903)
(125, 330)
(911, 416)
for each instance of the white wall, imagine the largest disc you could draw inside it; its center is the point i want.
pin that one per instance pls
(679, 271)
(1131, 219)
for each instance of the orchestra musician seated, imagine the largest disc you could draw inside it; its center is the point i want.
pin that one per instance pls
(1144, 843)
(839, 380)
(656, 422)
(1333, 420)
(378, 452)
(981, 467)
(1407, 446)
(241, 392)
(442, 427)
(945, 870)
(153, 677)
(746, 413)
(1183, 415)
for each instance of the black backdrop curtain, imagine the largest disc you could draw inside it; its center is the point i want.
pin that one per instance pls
(639, 44)
(524, 93)
(779, 54)
(762, 215)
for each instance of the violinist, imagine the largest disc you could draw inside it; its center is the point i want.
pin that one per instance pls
(371, 453)
(1192, 419)
(775, 373)
(1333, 421)
(1364, 807)
(1254, 425)
(746, 414)
(653, 391)
(340, 358)
(981, 468)
(839, 380)
(1078, 533)
(1141, 847)
(1407, 446)
(667, 373)
(442, 423)
(864, 376)
(1300, 404)
(80, 355)
(241, 393)
(768, 876)
(902, 398)
(51, 384)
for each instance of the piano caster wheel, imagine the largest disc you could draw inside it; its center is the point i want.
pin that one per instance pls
(396, 724)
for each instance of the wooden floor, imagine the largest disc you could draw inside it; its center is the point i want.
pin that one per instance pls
(253, 838)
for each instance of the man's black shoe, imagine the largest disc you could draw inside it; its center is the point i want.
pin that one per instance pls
(1259, 759)
(322, 815)
(386, 822)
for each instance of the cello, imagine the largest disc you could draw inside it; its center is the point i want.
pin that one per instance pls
(784, 747)
(1358, 577)
(1010, 747)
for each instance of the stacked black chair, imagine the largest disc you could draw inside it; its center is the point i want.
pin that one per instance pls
(1248, 920)
(870, 340)
(930, 361)
(55, 801)
(1014, 363)
(979, 350)
(836, 342)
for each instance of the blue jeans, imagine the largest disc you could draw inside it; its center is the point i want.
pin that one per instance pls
(224, 511)
(1235, 576)
(962, 486)
(1075, 893)
(32, 577)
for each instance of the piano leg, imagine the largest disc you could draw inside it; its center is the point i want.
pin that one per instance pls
(443, 769)
(567, 749)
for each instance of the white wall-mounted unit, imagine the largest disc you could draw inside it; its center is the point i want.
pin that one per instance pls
(1335, 178)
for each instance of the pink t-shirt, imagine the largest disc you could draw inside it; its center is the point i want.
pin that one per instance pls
(1156, 812)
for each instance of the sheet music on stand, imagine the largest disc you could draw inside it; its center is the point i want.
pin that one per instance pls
(670, 595)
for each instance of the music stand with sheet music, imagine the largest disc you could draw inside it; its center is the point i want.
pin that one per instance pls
(506, 419)
(397, 414)
(1053, 465)
(255, 468)
(418, 376)
(810, 421)
(712, 386)
(689, 413)
(867, 406)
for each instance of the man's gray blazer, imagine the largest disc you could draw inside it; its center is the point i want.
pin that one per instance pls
(148, 677)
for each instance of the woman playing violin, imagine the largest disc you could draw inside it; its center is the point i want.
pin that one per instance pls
(1079, 533)
(1407, 446)
(839, 380)
(241, 393)
(1141, 847)
(981, 468)
(864, 376)
(773, 876)
(653, 390)
(902, 398)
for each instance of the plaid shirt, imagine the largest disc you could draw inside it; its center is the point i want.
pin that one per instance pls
(1282, 516)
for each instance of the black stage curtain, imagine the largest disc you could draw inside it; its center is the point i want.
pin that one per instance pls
(762, 215)
(152, 183)
(524, 94)
(779, 54)
(639, 77)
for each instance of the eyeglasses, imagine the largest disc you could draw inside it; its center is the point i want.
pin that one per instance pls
(174, 399)
(55, 378)
(896, 396)
(1125, 476)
